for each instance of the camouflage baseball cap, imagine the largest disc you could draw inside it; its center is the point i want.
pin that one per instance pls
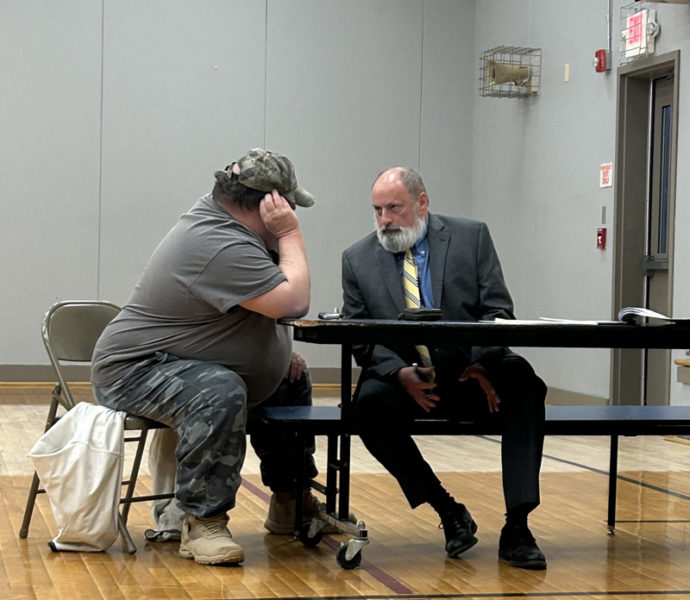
(265, 171)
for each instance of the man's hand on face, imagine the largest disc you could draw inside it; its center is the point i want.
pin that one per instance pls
(277, 215)
(416, 386)
(478, 373)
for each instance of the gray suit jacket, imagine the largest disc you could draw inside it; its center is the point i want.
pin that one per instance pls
(467, 283)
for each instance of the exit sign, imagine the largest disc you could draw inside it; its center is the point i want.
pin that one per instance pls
(636, 35)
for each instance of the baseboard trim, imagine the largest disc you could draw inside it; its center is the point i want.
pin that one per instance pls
(558, 397)
(38, 392)
(44, 373)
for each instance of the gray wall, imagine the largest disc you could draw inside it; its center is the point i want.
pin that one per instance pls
(118, 114)
(115, 114)
(536, 172)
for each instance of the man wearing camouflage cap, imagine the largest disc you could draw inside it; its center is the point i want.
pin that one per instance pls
(197, 346)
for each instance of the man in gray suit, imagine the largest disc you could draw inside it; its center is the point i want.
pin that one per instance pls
(457, 270)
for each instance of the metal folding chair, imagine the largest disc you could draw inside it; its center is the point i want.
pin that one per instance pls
(70, 331)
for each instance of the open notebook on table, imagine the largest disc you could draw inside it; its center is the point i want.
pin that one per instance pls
(630, 314)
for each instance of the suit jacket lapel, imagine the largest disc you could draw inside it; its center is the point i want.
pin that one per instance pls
(439, 240)
(388, 271)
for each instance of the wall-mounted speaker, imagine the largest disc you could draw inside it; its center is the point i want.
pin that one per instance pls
(498, 72)
(510, 72)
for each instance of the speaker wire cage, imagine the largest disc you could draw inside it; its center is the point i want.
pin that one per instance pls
(510, 72)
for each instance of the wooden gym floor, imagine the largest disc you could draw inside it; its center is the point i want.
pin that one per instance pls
(647, 558)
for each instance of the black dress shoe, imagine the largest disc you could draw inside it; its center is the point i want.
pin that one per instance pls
(459, 529)
(518, 547)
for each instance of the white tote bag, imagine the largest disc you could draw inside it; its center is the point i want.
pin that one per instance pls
(79, 461)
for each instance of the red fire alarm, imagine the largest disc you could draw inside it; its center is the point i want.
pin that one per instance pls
(601, 62)
(601, 238)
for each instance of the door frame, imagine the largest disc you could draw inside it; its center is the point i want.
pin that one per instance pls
(631, 190)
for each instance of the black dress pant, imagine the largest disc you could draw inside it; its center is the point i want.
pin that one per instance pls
(385, 413)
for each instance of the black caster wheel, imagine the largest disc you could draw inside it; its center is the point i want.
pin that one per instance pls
(309, 542)
(343, 560)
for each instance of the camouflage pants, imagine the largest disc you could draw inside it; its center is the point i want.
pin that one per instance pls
(206, 403)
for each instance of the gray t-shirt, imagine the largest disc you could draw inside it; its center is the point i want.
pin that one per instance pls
(187, 304)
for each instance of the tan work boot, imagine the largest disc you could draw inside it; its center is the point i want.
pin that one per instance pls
(281, 513)
(208, 541)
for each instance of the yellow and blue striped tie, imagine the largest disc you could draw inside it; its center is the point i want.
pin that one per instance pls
(412, 298)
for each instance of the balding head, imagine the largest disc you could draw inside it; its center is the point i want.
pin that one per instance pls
(410, 178)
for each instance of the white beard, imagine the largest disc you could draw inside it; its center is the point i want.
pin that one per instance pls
(398, 239)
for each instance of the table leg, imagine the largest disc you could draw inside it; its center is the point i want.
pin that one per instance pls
(346, 417)
(613, 481)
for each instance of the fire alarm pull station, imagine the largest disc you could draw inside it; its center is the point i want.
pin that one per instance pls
(601, 238)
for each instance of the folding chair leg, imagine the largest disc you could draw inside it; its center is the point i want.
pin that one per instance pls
(127, 540)
(33, 491)
(134, 475)
(29, 510)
